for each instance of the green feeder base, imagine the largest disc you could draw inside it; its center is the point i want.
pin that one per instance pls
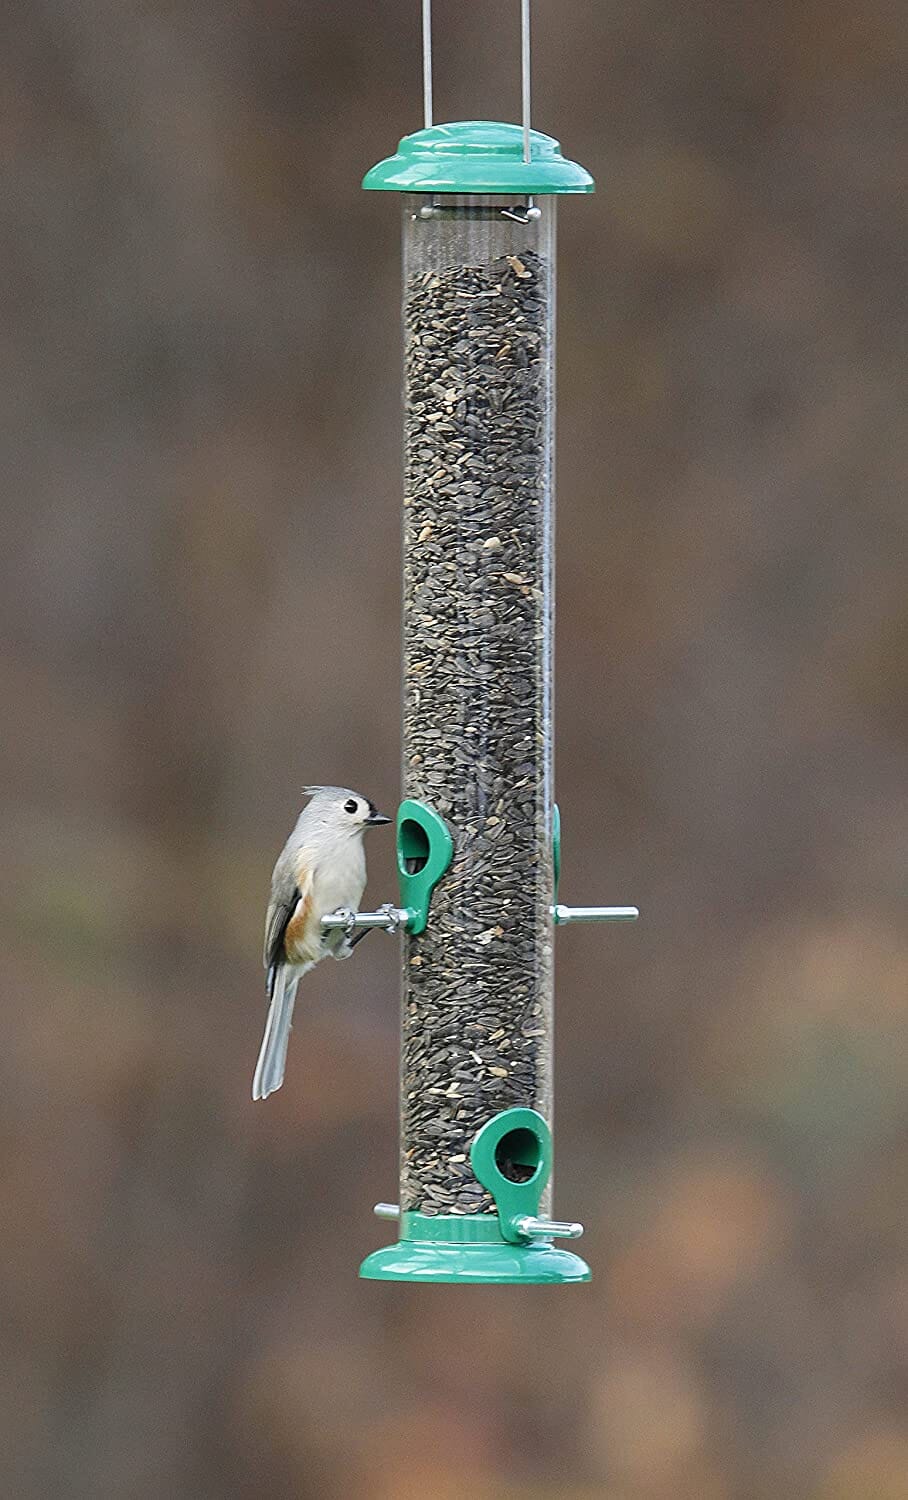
(469, 1248)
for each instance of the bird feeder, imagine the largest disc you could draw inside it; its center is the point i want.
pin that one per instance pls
(477, 832)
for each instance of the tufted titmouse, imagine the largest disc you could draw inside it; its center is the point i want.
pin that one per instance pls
(321, 867)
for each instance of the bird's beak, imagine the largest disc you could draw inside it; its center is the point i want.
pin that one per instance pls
(375, 818)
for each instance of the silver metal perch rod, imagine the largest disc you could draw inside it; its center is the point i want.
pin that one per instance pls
(564, 914)
(392, 919)
(557, 1228)
(388, 917)
(526, 1224)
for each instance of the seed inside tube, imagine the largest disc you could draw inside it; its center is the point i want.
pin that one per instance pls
(477, 696)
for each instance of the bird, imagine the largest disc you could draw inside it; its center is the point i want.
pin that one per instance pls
(322, 867)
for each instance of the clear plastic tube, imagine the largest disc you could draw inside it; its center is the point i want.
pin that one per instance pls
(479, 324)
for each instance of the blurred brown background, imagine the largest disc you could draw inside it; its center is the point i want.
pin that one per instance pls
(200, 404)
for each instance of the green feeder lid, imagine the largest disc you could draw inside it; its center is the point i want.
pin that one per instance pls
(477, 156)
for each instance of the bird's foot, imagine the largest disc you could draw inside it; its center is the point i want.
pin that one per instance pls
(349, 921)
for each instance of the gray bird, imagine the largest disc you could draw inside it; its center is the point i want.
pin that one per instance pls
(321, 867)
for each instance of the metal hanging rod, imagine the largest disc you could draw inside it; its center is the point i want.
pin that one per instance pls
(525, 61)
(525, 75)
(427, 62)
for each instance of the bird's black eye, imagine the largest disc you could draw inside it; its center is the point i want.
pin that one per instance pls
(350, 805)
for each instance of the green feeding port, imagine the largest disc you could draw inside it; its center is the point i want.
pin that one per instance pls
(512, 1157)
(425, 849)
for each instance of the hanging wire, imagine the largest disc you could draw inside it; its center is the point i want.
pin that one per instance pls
(525, 74)
(427, 62)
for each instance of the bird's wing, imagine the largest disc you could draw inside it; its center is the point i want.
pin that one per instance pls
(290, 897)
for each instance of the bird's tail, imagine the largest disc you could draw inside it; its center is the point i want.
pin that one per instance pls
(269, 1070)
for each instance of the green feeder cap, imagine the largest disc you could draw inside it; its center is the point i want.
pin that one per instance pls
(477, 156)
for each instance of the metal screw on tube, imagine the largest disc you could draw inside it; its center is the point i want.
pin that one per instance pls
(387, 1211)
